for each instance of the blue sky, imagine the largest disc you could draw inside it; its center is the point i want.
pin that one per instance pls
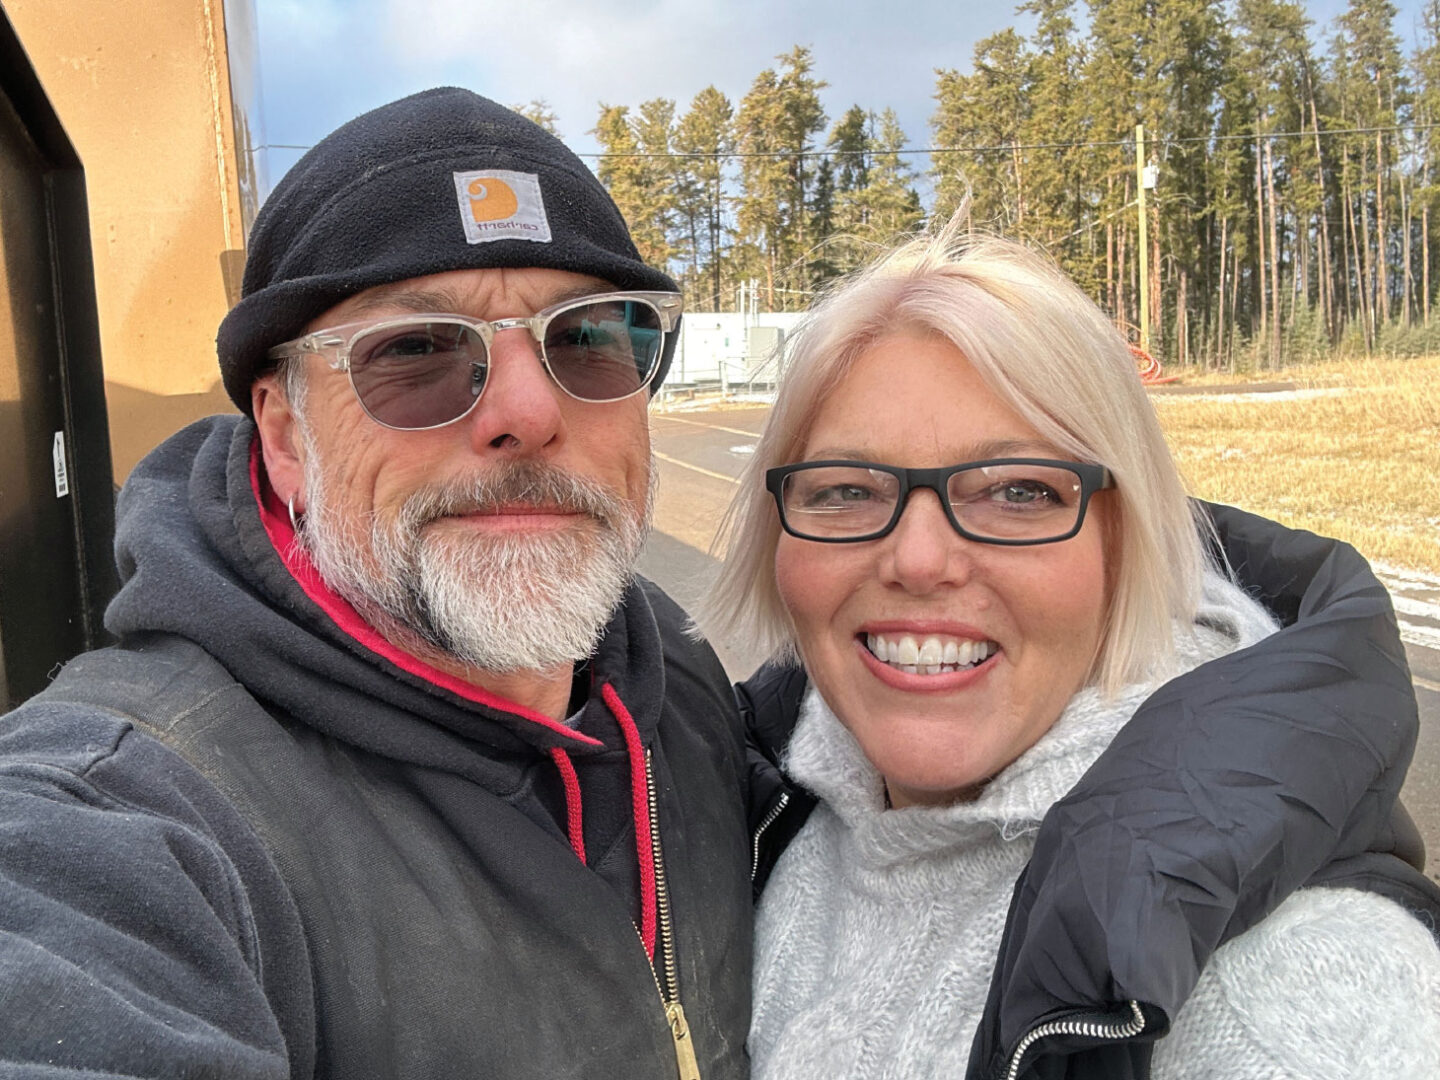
(323, 62)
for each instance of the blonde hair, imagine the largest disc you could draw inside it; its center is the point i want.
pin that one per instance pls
(1044, 349)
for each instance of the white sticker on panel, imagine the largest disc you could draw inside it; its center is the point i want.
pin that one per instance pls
(62, 474)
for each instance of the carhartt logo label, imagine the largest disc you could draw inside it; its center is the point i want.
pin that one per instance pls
(496, 204)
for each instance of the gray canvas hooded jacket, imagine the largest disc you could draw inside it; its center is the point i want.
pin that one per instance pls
(252, 841)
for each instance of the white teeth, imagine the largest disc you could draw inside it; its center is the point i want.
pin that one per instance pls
(932, 655)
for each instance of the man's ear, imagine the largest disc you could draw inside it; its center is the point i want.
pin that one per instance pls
(280, 442)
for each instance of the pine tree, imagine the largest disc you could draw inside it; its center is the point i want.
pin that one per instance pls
(983, 114)
(1427, 150)
(634, 181)
(538, 110)
(773, 129)
(706, 134)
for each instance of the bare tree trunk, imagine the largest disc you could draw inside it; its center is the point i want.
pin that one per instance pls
(1260, 236)
(1110, 304)
(1300, 286)
(715, 222)
(1220, 321)
(1111, 294)
(1425, 261)
(1234, 305)
(1382, 263)
(1122, 294)
(1274, 258)
(1327, 279)
(1368, 293)
(1345, 234)
(1182, 327)
(1409, 271)
(1361, 274)
(1019, 188)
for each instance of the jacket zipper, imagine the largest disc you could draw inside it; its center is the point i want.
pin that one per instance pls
(1095, 1028)
(685, 1059)
(765, 823)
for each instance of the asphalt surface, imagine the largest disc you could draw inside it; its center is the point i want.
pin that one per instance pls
(701, 452)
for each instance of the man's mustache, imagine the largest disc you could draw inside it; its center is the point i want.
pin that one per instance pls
(522, 482)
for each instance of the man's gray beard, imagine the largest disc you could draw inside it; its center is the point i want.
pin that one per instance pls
(500, 603)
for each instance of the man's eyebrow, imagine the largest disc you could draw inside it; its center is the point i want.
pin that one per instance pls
(416, 300)
(442, 301)
(579, 292)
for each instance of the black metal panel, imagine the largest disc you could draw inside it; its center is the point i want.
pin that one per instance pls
(56, 507)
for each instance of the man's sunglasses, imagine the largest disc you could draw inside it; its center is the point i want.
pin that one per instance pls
(414, 372)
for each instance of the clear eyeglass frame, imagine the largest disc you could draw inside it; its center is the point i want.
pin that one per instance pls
(336, 343)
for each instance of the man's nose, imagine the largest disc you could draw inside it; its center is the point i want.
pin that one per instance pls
(520, 408)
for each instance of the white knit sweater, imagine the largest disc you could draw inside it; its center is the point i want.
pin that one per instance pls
(877, 933)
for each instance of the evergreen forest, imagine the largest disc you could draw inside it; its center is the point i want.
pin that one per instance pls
(1296, 196)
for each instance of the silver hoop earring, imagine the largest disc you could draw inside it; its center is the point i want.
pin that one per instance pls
(294, 518)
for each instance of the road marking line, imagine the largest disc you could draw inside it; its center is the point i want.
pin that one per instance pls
(1425, 683)
(1427, 637)
(712, 427)
(695, 468)
(1408, 605)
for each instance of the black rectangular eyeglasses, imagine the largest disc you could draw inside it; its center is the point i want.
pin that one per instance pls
(1011, 501)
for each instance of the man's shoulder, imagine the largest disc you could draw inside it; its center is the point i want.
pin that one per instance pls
(668, 613)
(154, 680)
(157, 686)
(111, 733)
(677, 632)
(686, 651)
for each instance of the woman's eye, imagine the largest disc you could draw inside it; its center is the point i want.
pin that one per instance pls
(838, 495)
(1025, 493)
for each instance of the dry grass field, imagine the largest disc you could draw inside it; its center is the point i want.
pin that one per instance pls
(1353, 453)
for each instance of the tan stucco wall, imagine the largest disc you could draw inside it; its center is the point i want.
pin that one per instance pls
(143, 92)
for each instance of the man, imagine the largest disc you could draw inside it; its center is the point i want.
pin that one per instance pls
(396, 772)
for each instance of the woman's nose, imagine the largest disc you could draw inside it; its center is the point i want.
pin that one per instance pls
(924, 551)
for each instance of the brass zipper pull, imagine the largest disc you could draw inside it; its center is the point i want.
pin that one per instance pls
(684, 1047)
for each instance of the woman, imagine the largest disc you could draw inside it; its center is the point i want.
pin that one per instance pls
(981, 550)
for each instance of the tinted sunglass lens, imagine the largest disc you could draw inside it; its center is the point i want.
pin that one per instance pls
(418, 375)
(604, 351)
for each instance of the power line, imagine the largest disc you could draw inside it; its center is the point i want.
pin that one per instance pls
(1077, 144)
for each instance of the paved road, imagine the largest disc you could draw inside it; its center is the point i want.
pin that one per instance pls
(702, 452)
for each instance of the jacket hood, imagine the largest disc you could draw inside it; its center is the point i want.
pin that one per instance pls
(1171, 845)
(205, 552)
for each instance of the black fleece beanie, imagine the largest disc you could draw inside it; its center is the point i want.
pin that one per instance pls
(441, 180)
